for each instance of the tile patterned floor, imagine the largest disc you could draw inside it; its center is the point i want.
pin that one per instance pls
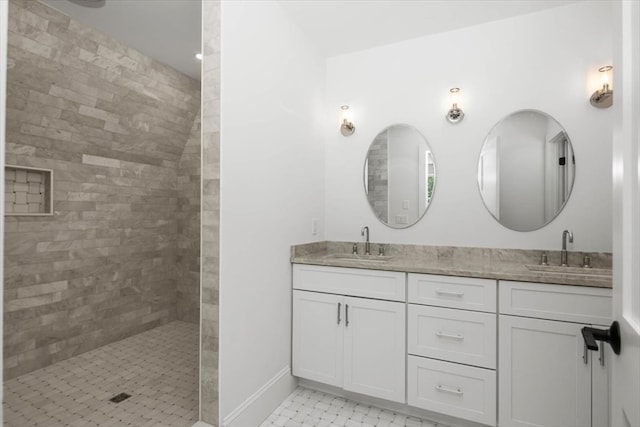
(308, 408)
(158, 368)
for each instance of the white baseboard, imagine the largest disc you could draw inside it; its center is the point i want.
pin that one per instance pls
(254, 410)
(201, 424)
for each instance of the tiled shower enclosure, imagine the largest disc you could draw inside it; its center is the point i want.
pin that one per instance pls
(118, 254)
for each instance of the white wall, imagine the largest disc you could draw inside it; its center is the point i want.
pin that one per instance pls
(545, 61)
(271, 187)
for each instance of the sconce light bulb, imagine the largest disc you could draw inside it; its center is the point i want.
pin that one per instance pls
(455, 95)
(604, 78)
(604, 74)
(345, 113)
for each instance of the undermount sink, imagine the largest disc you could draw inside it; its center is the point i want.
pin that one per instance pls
(579, 271)
(360, 258)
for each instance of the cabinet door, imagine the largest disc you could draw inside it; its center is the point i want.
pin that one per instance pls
(601, 388)
(318, 321)
(374, 348)
(543, 379)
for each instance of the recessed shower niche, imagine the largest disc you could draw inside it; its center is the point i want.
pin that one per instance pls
(28, 191)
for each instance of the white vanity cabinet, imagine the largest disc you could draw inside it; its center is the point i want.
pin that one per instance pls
(499, 353)
(451, 345)
(344, 338)
(545, 379)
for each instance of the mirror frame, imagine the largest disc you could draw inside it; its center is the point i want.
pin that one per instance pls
(364, 180)
(573, 154)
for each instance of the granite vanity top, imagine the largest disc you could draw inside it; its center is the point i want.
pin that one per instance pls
(500, 264)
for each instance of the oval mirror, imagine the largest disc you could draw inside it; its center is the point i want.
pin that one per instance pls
(399, 176)
(526, 170)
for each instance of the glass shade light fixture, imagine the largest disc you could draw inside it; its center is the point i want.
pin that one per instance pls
(455, 113)
(346, 126)
(199, 56)
(603, 98)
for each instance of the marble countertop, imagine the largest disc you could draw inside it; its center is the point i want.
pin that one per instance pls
(500, 264)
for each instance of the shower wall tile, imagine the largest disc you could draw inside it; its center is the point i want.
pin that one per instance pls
(209, 330)
(113, 125)
(188, 280)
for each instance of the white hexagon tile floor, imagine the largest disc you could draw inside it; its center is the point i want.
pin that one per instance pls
(158, 368)
(309, 408)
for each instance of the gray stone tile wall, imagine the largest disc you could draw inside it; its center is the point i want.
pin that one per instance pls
(112, 124)
(378, 177)
(209, 325)
(188, 283)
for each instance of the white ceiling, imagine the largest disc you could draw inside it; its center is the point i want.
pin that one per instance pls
(169, 30)
(166, 30)
(342, 26)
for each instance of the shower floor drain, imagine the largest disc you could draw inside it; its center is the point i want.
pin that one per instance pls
(120, 397)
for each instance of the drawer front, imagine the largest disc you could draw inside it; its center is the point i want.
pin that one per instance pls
(457, 390)
(454, 335)
(578, 304)
(454, 292)
(378, 284)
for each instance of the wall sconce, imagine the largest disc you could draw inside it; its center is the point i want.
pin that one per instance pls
(455, 114)
(346, 127)
(603, 98)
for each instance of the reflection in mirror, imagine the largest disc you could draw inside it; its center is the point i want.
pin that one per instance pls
(526, 170)
(399, 176)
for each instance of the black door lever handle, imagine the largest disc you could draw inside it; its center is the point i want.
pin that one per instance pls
(589, 336)
(611, 335)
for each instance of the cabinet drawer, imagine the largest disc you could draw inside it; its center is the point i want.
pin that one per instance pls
(457, 390)
(378, 284)
(455, 335)
(454, 292)
(578, 304)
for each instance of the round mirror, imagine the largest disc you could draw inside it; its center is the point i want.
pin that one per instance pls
(399, 176)
(526, 170)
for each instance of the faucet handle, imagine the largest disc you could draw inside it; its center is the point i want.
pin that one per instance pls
(586, 261)
(355, 249)
(380, 250)
(544, 260)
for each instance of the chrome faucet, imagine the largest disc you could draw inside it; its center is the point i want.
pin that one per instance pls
(365, 232)
(563, 253)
